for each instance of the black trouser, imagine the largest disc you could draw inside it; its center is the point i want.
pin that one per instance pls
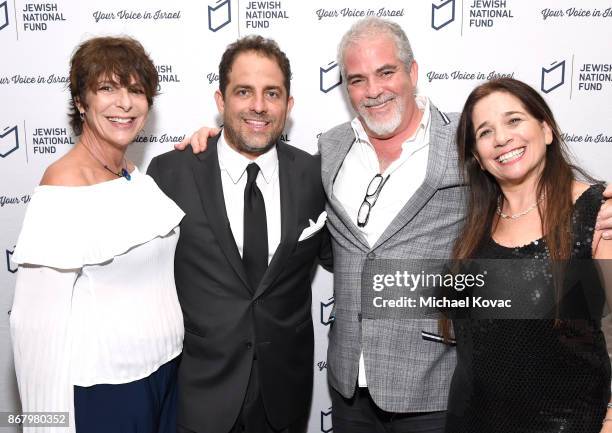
(360, 414)
(252, 417)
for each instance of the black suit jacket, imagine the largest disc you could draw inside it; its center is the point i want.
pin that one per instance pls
(226, 320)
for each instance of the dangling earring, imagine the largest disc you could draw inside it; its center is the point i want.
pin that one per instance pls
(82, 116)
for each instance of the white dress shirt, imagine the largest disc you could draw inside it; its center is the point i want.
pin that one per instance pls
(234, 177)
(406, 174)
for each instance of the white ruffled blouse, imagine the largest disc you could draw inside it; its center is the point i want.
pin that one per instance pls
(95, 300)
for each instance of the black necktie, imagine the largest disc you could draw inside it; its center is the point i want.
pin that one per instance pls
(255, 246)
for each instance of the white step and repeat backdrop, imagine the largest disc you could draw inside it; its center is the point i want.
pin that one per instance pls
(561, 47)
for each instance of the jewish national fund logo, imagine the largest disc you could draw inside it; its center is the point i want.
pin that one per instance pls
(9, 141)
(10, 266)
(4, 15)
(329, 77)
(442, 14)
(553, 76)
(327, 309)
(326, 421)
(219, 15)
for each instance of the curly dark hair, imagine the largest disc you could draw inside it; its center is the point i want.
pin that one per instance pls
(266, 47)
(112, 58)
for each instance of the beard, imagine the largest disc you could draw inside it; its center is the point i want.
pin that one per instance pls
(251, 143)
(382, 127)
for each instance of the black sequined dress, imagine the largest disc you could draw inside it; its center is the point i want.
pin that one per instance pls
(532, 376)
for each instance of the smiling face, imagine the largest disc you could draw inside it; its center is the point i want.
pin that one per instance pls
(509, 142)
(115, 114)
(380, 88)
(255, 106)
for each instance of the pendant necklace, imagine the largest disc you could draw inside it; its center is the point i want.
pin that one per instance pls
(122, 173)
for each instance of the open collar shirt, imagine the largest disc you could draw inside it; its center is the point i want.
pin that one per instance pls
(406, 174)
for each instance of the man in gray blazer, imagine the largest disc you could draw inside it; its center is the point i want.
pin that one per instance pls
(394, 192)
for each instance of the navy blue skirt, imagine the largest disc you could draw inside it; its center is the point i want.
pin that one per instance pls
(147, 405)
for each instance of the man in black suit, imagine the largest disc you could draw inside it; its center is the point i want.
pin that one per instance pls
(253, 229)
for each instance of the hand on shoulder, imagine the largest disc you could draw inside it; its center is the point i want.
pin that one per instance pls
(198, 140)
(604, 219)
(602, 249)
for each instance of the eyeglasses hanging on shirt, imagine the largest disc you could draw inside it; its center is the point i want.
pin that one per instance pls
(371, 196)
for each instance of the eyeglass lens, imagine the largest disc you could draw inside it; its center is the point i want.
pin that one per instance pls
(374, 184)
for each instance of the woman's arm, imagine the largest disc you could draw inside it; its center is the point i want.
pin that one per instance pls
(602, 253)
(41, 339)
(604, 218)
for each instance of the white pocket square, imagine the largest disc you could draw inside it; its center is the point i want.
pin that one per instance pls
(314, 227)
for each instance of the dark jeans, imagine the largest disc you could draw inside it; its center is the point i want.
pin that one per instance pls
(147, 405)
(360, 414)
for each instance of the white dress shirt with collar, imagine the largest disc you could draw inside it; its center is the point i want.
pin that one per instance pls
(406, 174)
(234, 177)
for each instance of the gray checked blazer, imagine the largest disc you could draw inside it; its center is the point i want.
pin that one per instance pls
(406, 369)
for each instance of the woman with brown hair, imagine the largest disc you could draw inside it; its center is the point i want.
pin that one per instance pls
(546, 375)
(96, 325)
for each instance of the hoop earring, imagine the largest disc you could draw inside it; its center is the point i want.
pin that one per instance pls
(82, 116)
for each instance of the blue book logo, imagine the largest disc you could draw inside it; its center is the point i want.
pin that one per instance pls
(443, 14)
(326, 312)
(9, 264)
(329, 77)
(9, 141)
(4, 20)
(326, 423)
(220, 15)
(553, 76)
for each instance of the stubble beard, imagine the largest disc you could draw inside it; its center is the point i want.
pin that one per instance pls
(239, 140)
(383, 127)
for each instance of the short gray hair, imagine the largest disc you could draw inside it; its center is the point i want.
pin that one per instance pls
(374, 27)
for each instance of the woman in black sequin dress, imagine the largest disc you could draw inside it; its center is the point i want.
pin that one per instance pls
(532, 375)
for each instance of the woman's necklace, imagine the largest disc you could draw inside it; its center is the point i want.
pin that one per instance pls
(520, 214)
(123, 173)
